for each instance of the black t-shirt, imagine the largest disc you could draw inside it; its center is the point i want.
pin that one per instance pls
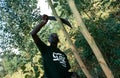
(55, 62)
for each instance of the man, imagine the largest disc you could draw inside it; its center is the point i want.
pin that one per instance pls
(55, 62)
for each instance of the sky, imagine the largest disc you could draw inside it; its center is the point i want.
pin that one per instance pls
(44, 8)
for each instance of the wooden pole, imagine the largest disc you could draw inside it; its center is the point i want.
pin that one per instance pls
(90, 40)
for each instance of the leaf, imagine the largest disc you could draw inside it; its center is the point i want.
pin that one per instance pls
(55, 5)
(55, 0)
(23, 68)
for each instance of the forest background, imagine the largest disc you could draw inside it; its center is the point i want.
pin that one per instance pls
(19, 56)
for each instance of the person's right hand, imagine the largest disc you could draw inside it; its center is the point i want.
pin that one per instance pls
(45, 17)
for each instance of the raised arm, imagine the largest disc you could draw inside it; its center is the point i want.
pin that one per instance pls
(34, 32)
(39, 26)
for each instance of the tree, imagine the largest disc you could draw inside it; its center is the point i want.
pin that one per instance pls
(102, 20)
(16, 23)
(90, 41)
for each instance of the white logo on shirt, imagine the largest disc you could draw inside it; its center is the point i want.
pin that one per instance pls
(59, 57)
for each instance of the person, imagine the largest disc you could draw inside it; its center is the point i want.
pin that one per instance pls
(55, 62)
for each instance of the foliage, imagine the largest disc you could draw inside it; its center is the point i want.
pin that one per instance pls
(16, 22)
(18, 17)
(102, 20)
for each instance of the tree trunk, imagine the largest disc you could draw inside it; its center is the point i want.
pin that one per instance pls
(90, 40)
(75, 52)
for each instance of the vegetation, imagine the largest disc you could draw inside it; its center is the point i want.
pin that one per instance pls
(20, 56)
